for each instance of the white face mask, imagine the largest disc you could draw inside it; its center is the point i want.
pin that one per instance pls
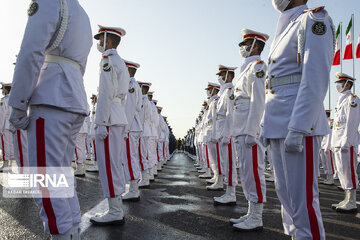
(208, 92)
(280, 5)
(100, 48)
(244, 52)
(221, 80)
(340, 87)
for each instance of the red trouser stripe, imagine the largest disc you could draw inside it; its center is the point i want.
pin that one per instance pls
(207, 156)
(314, 226)
(218, 158)
(41, 162)
(108, 166)
(157, 152)
(164, 150)
(77, 158)
(352, 167)
(256, 174)
(18, 134)
(129, 157)
(332, 163)
(94, 150)
(3, 147)
(230, 164)
(140, 158)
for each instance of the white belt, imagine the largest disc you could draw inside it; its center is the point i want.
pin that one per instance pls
(291, 79)
(117, 99)
(57, 59)
(218, 117)
(241, 100)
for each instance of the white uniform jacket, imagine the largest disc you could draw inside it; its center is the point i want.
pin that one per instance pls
(162, 129)
(224, 111)
(113, 86)
(303, 47)
(133, 107)
(346, 122)
(211, 118)
(5, 114)
(85, 127)
(154, 121)
(249, 94)
(53, 84)
(145, 116)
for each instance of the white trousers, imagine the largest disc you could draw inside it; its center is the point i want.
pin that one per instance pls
(152, 152)
(80, 148)
(51, 139)
(327, 159)
(130, 157)
(251, 170)
(143, 153)
(21, 148)
(109, 162)
(346, 165)
(228, 163)
(160, 151)
(212, 156)
(7, 145)
(297, 188)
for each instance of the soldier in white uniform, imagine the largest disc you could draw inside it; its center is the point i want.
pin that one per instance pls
(294, 121)
(7, 141)
(48, 80)
(162, 138)
(345, 141)
(326, 154)
(132, 134)
(212, 91)
(152, 142)
(110, 123)
(145, 119)
(80, 148)
(224, 111)
(91, 136)
(249, 105)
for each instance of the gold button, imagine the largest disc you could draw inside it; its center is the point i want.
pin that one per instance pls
(273, 61)
(312, 129)
(22, 101)
(272, 76)
(104, 122)
(267, 77)
(272, 91)
(269, 61)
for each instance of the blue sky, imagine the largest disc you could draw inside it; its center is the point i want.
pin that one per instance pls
(178, 43)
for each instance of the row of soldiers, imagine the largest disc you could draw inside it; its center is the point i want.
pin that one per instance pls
(278, 109)
(127, 135)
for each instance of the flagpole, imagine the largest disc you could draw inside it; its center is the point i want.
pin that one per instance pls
(341, 44)
(353, 22)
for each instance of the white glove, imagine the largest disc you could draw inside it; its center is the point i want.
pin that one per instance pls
(19, 118)
(264, 141)
(294, 142)
(250, 141)
(101, 132)
(225, 140)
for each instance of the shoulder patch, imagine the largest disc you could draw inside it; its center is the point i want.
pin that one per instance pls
(232, 97)
(33, 8)
(107, 67)
(230, 88)
(260, 74)
(131, 90)
(352, 95)
(315, 10)
(319, 28)
(106, 56)
(259, 61)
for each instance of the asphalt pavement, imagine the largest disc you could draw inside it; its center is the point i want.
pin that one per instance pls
(176, 206)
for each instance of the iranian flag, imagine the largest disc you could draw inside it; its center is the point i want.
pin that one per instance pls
(337, 56)
(358, 48)
(348, 54)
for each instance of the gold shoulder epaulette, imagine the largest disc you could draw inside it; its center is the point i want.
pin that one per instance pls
(315, 10)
